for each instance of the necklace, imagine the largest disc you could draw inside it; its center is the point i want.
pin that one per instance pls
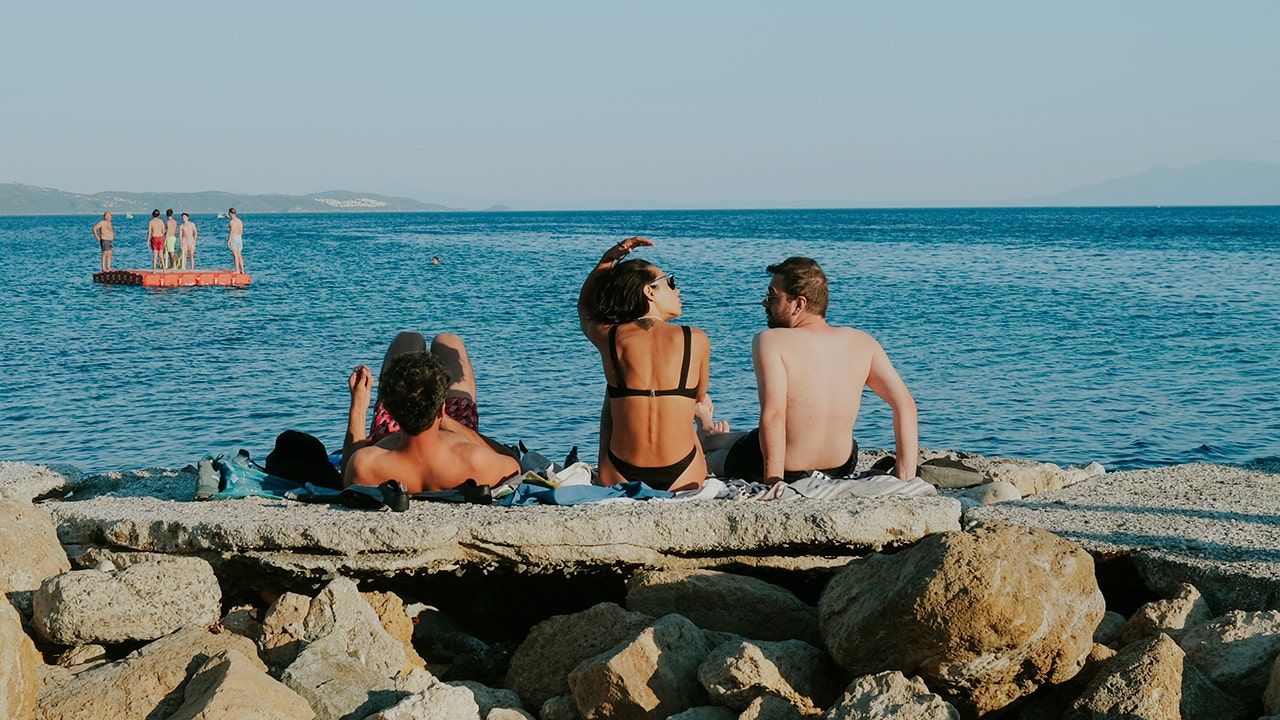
(649, 317)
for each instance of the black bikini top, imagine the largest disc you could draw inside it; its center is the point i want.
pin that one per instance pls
(621, 390)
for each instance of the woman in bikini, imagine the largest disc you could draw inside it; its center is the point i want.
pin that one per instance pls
(655, 371)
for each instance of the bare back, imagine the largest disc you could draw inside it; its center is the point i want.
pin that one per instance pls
(653, 431)
(155, 228)
(431, 461)
(815, 376)
(237, 227)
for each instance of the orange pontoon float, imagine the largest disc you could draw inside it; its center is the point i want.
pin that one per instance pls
(173, 278)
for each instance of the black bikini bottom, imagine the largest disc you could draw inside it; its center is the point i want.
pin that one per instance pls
(658, 478)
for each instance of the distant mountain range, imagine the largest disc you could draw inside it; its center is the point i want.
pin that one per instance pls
(1218, 182)
(17, 199)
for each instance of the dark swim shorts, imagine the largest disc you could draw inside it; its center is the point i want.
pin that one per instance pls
(462, 409)
(106, 245)
(745, 462)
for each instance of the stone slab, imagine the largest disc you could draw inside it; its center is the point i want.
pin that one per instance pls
(1214, 526)
(432, 537)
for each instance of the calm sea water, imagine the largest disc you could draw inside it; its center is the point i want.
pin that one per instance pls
(1133, 337)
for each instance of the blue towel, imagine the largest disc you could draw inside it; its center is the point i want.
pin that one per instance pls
(240, 477)
(527, 494)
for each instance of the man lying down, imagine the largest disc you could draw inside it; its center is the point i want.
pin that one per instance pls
(426, 421)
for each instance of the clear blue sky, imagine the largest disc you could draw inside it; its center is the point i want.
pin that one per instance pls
(549, 104)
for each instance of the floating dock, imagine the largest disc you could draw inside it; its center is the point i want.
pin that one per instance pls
(172, 278)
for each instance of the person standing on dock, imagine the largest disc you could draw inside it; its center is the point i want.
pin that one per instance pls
(187, 239)
(235, 240)
(170, 240)
(155, 235)
(105, 234)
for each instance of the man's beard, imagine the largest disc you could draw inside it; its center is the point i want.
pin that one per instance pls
(775, 321)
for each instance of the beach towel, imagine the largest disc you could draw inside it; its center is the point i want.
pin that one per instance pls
(529, 494)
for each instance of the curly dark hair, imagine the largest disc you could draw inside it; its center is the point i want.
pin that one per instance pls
(413, 389)
(620, 294)
(803, 277)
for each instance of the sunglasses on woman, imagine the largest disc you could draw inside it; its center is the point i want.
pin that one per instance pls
(670, 278)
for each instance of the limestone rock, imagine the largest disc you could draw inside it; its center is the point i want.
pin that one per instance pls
(396, 622)
(82, 655)
(948, 473)
(735, 674)
(560, 707)
(984, 617)
(145, 685)
(771, 707)
(141, 602)
(890, 696)
(651, 676)
(437, 702)
(19, 661)
(282, 635)
(1271, 697)
(230, 686)
(1236, 651)
(29, 551)
(1109, 628)
(1186, 609)
(1144, 680)
(502, 713)
(491, 699)
(347, 661)
(706, 712)
(243, 621)
(723, 601)
(1029, 477)
(25, 482)
(1202, 700)
(993, 492)
(540, 667)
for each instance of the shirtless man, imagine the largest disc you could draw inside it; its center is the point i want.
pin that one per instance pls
(425, 423)
(235, 240)
(170, 239)
(187, 240)
(810, 377)
(155, 235)
(105, 234)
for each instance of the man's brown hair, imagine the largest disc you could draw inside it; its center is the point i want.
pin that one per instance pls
(803, 277)
(413, 389)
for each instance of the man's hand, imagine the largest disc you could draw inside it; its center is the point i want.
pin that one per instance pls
(360, 383)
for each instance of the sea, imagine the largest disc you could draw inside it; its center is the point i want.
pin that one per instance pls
(1134, 337)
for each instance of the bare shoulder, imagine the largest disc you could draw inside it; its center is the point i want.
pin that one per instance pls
(363, 464)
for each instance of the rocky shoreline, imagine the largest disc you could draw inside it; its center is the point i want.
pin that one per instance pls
(1022, 590)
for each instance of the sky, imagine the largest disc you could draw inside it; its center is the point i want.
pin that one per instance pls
(549, 105)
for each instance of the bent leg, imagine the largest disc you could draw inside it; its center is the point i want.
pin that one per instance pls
(453, 353)
(405, 342)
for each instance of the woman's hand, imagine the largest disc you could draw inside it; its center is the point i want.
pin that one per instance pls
(624, 248)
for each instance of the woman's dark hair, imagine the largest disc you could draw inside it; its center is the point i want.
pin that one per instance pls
(413, 389)
(620, 294)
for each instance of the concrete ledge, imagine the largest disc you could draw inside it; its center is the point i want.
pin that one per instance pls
(315, 540)
(1213, 526)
